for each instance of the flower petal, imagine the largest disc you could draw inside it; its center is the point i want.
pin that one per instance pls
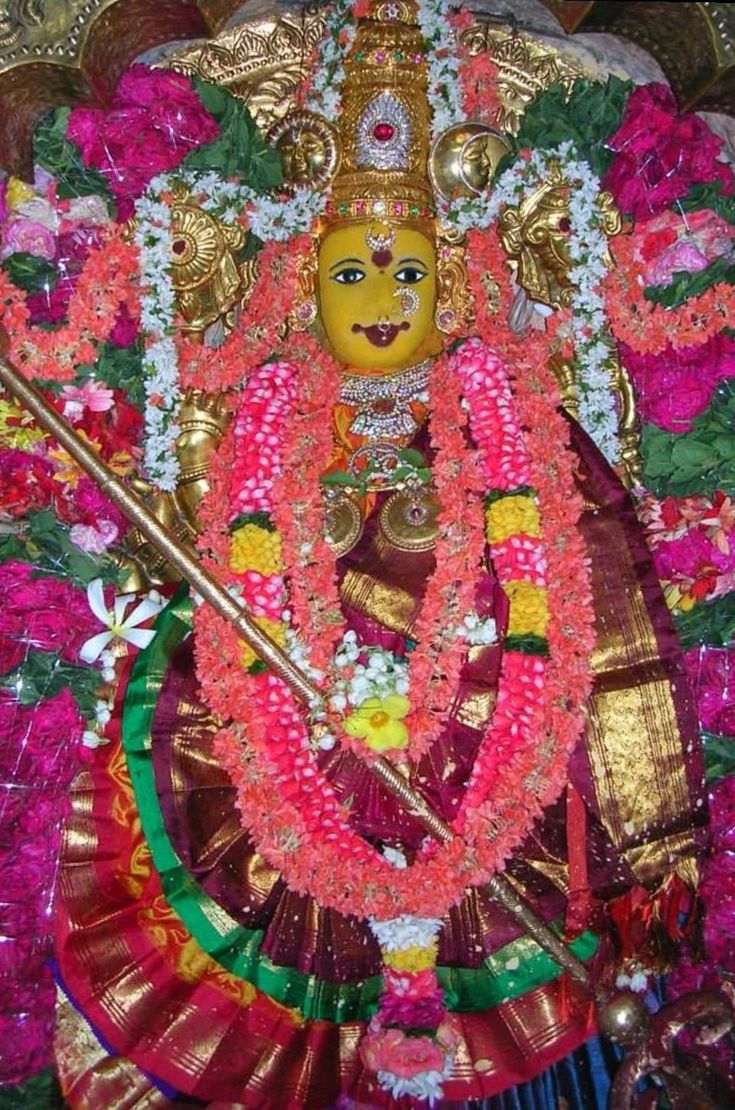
(96, 599)
(92, 648)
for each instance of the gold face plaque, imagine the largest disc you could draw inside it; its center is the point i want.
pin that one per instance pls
(464, 158)
(309, 147)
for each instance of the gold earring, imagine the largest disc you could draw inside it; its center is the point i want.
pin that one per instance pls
(304, 311)
(453, 313)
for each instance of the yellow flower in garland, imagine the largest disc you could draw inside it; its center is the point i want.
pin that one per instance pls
(275, 629)
(255, 548)
(18, 192)
(529, 608)
(379, 722)
(17, 429)
(509, 515)
(411, 959)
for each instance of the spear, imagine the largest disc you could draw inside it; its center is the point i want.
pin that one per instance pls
(184, 560)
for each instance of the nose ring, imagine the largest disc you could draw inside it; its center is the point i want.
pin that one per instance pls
(409, 301)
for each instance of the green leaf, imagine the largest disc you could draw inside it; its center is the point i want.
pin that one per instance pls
(697, 461)
(43, 675)
(412, 457)
(586, 117)
(119, 368)
(44, 541)
(340, 478)
(712, 623)
(29, 272)
(40, 1092)
(63, 159)
(685, 285)
(240, 150)
(719, 756)
(709, 196)
(263, 520)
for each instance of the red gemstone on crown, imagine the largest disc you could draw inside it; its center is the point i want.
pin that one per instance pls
(384, 132)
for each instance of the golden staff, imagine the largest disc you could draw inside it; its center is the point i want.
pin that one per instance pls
(185, 562)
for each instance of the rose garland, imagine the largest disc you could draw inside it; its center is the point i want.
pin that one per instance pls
(308, 834)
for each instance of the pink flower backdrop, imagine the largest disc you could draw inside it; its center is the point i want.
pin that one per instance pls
(57, 531)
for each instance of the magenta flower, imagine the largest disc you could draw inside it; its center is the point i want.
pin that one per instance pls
(660, 154)
(154, 119)
(675, 386)
(28, 236)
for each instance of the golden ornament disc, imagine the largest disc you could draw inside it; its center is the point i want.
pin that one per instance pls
(464, 158)
(343, 522)
(409, 520)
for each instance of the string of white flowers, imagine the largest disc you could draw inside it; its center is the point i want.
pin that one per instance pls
(160, 363)
(406, 931)
(268, 217)
(324, 95)
(445, 90)
(587, 246)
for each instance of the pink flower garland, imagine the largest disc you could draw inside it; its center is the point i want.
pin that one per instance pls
(307, 834)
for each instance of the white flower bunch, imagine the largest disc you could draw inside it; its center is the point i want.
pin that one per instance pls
(427, 1086)
(379, 677)
(160, 363)
(476, 631)
(269, 217)
(405, 931)
(445, 91)
(339, 33)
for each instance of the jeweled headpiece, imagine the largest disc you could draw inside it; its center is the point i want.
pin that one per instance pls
(385, 122)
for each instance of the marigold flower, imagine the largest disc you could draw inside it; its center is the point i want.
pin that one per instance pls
(379, 722)
(17, 428)
(275, 629)
(509, 515)
(411, 959)
(255, 548)
(529, 608)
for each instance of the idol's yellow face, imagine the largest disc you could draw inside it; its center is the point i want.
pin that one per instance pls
(377, 294)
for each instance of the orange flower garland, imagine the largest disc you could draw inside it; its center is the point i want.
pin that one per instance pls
(307, 835)
(107, 282)
(647, 327)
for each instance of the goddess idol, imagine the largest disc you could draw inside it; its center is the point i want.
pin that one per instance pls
(403, 507)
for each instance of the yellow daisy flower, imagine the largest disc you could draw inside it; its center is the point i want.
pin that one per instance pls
(529, 608)
(379, 722)
(18, 192)
(509, 515)
(255, 548)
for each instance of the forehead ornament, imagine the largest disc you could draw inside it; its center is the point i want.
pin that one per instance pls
(380, 237)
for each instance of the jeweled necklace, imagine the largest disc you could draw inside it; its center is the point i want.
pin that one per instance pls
(383, 403)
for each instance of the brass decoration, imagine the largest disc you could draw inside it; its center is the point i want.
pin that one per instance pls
(653, 1049)
(263, 62)
(535, 238)
(343, 521)
(204, 268)
(203, 420)
(464, 158)
(409, 519)
(526, 68)
(309, 147)
(453, 314)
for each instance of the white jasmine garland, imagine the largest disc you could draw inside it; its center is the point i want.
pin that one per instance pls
(406, 931)
(324, 95)
(268, 217)
(445, 90)
(426, 1086)
(160, 363)
(587, 246)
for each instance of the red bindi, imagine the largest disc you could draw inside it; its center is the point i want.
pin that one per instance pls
(381, 259)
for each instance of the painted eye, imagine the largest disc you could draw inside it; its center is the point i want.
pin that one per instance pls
(349, 276)
(410, 275)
